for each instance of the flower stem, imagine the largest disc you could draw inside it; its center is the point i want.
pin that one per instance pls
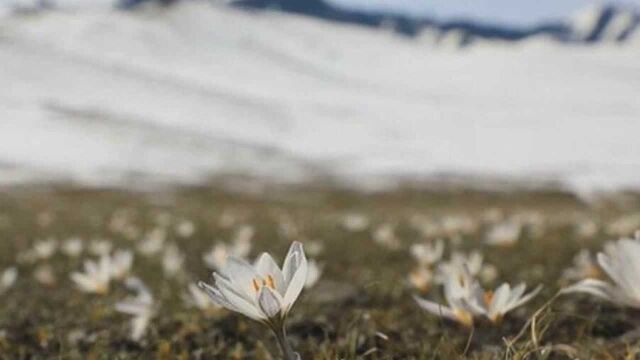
(281, 335)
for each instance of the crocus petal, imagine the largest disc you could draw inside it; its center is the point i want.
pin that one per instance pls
(241, 276)
(239, 302)
(266, 266)
(296, 284)
(523, 300)
(270, 302)
(292, 261)
(436, 309)
(593, 287)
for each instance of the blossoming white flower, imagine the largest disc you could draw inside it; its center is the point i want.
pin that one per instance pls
(7, 279)
(96, 276)
(496, 304)
(262, 291)
(172, 260)
(198, 298)
(427, 254)
(458, 292)
(72, 247)
(314, 271)
(621, 262)
(141, 307)
(505, 233)
(467, 299)
(120, 264)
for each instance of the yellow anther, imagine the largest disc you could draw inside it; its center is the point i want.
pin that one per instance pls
(488, 296)
(256, 284)
(268, 282)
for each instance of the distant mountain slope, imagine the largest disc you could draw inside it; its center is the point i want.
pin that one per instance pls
(166, 95)
(597, 23)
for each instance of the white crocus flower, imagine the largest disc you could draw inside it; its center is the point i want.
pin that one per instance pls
(385, 235)
(428, 254)
(262, 291)
(72, 247)
(185, 228)
(7, 279)
(355, 222)
(96, 276)
(621, 262)
(120, 264)
(498, 303)
(314, 271)
(459, 290)
(141, 307)
(172, 260)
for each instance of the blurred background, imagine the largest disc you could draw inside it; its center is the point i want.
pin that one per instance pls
(368, 93)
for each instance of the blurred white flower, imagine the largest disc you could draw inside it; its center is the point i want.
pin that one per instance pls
(99, 247)
(44, 275)
(185, 228)
(262, 291)
(153, 242)
(242, 238)
(427, 254)
(120, 264)
(421, 278)
(72, 247)
(621, 262)
(216, 258)
(141, 307)
(8, 279)
(385, 236)
(584, 267)
(506, 233)
(472, 262)
(314, 272)
(355, 222)
(45, 249)
(314, 247)
(172, 260)
(198, 298)
(586, 228)
(96, 276)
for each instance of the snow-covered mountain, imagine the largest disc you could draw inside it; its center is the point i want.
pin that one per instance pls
(607, 23)
(179, 94)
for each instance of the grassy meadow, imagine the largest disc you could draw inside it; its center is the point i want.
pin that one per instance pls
(360, 308)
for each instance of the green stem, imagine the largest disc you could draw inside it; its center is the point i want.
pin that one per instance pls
(281, 335)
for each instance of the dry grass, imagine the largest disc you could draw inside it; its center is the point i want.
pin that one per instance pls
(361, 308)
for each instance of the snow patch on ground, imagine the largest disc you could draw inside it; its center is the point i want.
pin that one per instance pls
(185, 93)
